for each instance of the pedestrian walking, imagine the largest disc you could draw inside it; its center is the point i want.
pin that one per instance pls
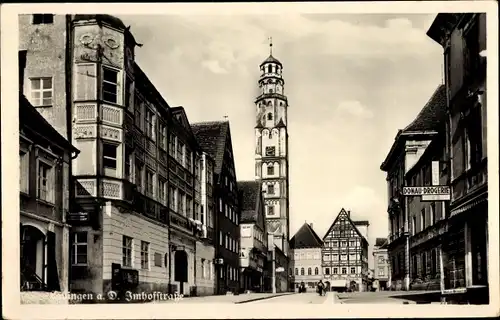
(320, 287)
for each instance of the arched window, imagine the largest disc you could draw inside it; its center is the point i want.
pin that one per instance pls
(301, 271)
(269, 68)
(296, 271)
(269, 103)
(316, 271)
(270, 90)
(269, 116)
(309, 271)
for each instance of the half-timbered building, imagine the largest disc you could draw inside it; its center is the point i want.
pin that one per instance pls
(345, 255)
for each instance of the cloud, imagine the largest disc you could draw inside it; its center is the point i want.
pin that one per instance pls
(214, 66)
(354, 108)
(328, 66)
(246, 38)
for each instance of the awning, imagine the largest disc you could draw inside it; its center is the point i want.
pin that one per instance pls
(337, 283)
(468, 205)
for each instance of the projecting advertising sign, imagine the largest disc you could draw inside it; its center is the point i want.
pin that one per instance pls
(429, 193)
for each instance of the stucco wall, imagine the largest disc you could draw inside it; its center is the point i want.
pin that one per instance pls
(115, 226)
(45, 45)
(306, 258)
(205, 282)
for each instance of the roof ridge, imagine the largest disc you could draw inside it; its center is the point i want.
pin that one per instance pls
(210, 122)
(317, 242)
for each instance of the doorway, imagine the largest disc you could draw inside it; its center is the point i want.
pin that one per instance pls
(33, 258)
(181, 268)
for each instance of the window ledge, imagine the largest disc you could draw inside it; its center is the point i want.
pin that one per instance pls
(43, 107)
(24, 194)
(47, 203)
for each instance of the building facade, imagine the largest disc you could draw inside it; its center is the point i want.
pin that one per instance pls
(463, 38)
(271, 152)
(44, 157)
(204, 212)
(409, 145)
(427, 219)
(381, 263)
(345, 255)
(306, 266)
(133, 207)
(253, 242)
(215, 139)
(277, 267)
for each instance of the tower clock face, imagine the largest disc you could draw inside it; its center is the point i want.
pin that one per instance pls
(270, 151)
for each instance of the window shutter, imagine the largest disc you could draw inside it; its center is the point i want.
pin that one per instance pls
(51, 183)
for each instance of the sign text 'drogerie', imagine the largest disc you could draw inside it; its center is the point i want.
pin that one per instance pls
(430, 190)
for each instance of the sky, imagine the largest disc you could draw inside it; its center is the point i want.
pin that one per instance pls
(351, 80)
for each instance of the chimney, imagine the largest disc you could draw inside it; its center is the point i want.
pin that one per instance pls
(311, 225)
(349, 213)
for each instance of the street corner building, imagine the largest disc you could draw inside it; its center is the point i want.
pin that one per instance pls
(409, 145)
(306, 247)
(439, 238)
(345, 254)
(254, 240)
(214, 138)
(44, 157)
(382, 267)
(141, 204)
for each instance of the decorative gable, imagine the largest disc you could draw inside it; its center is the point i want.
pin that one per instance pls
(343, 226)
(181, 117)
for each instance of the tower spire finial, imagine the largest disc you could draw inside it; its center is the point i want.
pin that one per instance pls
(271, 45)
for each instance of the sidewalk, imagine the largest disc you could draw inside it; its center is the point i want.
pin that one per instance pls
(236, 299)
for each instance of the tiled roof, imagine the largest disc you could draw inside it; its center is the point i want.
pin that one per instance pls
(380, 242)
(30, 117)
(432, 114)
(271, 59)
(212, 136)
(430, 118)
(250, 191)
(305, 237)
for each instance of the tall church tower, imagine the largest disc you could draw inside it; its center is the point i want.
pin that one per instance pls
(271, 152)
